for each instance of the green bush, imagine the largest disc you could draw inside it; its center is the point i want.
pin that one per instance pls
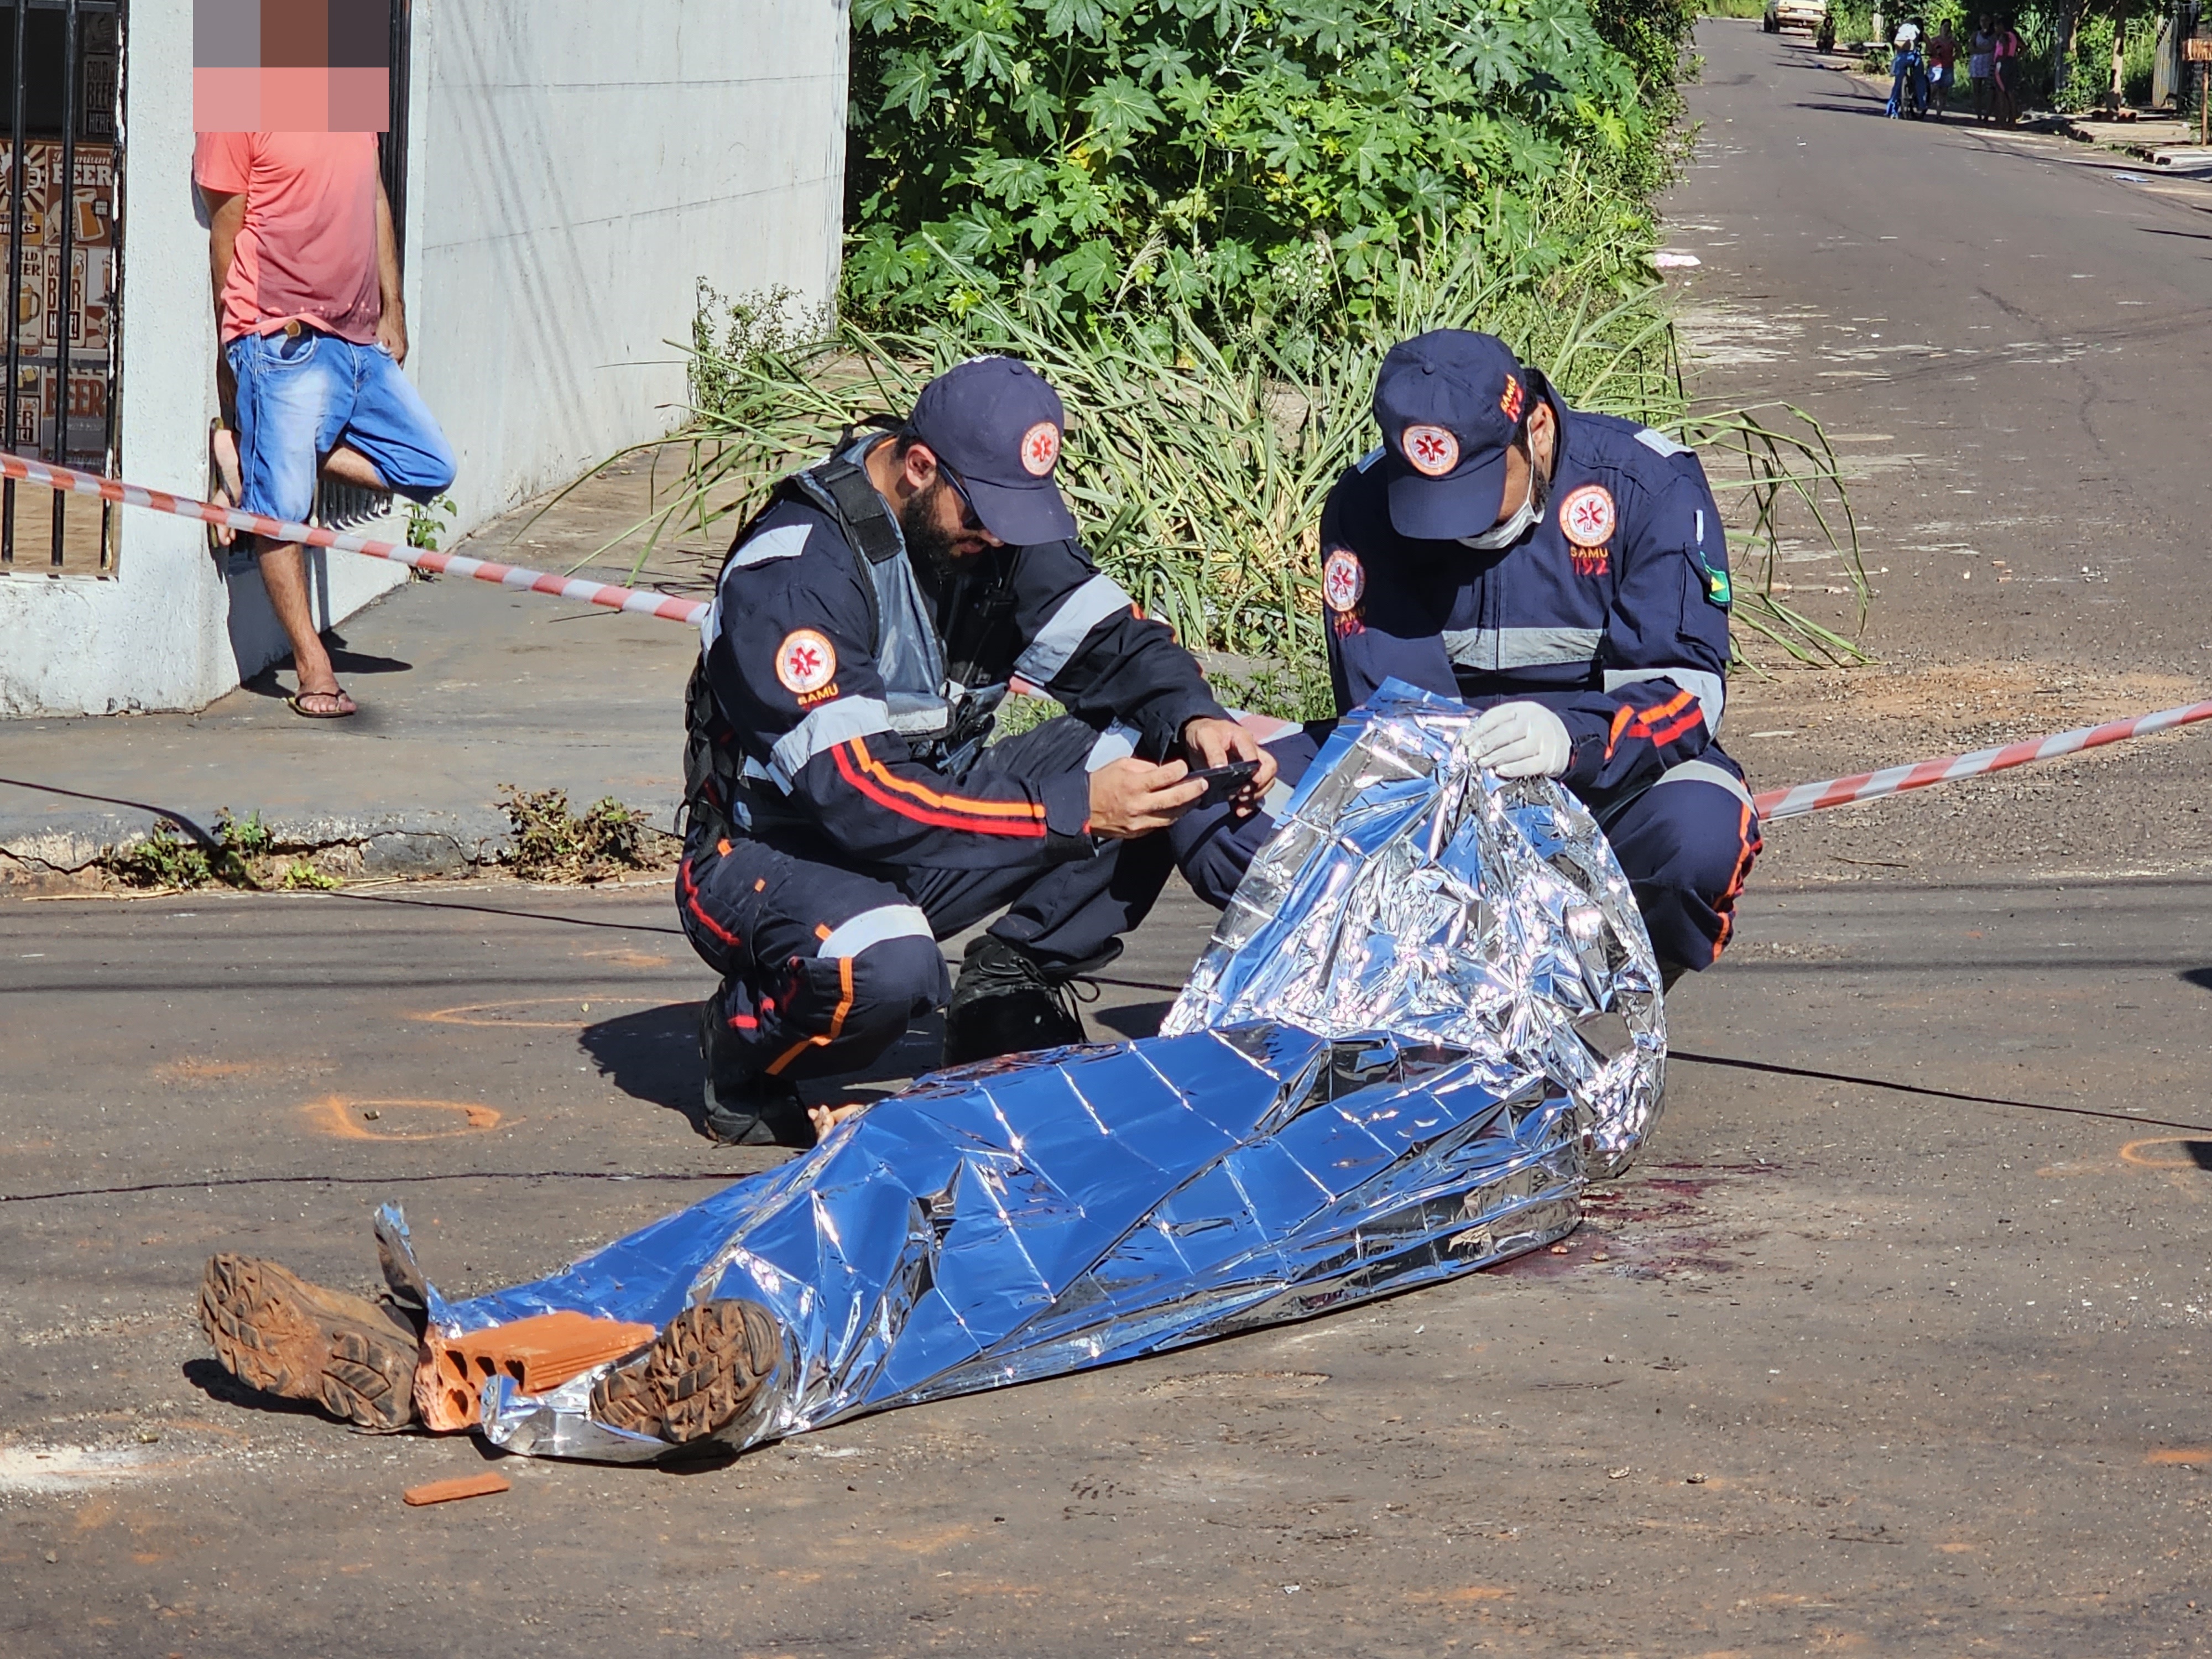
(167, 857)
(1197, 455)
(1232, 161)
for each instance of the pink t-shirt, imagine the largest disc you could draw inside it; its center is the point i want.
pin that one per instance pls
(307, 249)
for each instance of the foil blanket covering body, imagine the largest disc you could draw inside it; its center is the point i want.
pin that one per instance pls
(1387, 1070)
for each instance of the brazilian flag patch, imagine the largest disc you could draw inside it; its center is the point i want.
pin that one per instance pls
(1717, 587)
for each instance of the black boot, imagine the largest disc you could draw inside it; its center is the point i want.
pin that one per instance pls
(744, 1109)
(1007, 1002)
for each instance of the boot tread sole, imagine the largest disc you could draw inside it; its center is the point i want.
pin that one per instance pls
(276, 1332)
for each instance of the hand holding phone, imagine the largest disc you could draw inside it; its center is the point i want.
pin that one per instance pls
(1223, 782)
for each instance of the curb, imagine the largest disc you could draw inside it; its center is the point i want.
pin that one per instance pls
(65, 847)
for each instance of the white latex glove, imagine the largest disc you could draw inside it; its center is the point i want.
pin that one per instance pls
(1522, 740)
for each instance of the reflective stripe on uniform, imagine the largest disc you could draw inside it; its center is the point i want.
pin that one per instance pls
(849, 939)
(785, 541)
(1494, 649)
(1068, 626)
(1660, 444)
(824, 730)
(1709, 689)
(1116, 742)
(913, 716)
(910, 799)
(1698, 771)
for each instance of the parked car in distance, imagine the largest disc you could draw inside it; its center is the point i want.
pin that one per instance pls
(1807, 15)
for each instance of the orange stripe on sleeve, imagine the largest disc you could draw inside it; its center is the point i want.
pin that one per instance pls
(948, 803)
(1673, 705)
(1687, 723)
(874, 780)
(1622, 717)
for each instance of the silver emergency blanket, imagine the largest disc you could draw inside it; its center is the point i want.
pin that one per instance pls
(1407, 890)
(1431, 1015)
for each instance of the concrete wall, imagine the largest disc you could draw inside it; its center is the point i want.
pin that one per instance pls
(573, 168)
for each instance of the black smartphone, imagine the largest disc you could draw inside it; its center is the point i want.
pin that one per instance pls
(1222, 781)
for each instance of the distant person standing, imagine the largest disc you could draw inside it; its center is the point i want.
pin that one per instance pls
(1981, 67)
(2005, 58)
(1942, 56)
(306, 271)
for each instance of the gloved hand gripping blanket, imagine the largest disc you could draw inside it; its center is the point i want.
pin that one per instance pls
(1429, 1016)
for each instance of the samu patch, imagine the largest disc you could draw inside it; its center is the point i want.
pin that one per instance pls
(806, 665)
(1343, 581)
(1587, 517)
(1040, 449)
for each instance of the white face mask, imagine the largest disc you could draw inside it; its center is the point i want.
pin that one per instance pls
(1513, 529)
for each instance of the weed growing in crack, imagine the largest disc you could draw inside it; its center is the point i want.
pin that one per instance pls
(168, 858)
(552, 843)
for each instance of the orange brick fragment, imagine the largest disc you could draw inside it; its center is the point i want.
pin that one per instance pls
(446, 1491)
(540, 1353)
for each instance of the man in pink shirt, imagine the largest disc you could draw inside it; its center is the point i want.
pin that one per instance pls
(307, 292)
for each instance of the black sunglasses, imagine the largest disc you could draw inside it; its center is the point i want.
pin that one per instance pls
(970, 520)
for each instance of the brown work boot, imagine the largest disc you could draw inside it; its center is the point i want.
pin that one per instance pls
(274, 1331)
(704, 1369)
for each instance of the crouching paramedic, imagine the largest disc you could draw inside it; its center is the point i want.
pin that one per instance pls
(844, 813)
(1568, 574)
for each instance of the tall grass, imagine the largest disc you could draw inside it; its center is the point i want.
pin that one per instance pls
(1198, 461)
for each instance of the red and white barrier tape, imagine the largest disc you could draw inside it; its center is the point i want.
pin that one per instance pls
(642, 602)
(1774, 804)
(1777, 804)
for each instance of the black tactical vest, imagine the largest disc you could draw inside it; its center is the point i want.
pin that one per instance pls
(944, 723)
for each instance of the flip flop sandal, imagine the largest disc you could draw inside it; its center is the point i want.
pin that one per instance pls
(298, 701)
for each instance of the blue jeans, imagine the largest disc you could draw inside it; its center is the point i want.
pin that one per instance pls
(301, 396)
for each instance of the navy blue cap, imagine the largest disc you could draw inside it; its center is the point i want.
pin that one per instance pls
(997, 425)
(1449, 403)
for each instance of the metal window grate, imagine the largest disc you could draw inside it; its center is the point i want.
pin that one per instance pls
(60, 201)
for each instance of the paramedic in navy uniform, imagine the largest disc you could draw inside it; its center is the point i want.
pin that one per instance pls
(842, 812)
(1566, 573)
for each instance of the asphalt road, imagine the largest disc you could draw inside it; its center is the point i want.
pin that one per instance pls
(2006, 340)
(1895, 1342)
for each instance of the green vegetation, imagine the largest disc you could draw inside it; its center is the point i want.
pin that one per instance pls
(428, 523)
(1198, 459)
(168, 858)
(301, 876)
(1124, 160)
(1205, 222)
(553, 844)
